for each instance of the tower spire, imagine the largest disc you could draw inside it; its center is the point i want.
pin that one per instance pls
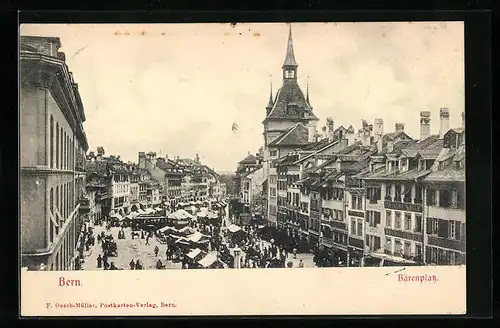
(271, 102)
(290, 55)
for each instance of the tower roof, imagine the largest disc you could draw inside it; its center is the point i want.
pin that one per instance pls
(290, 56)
(271, 102)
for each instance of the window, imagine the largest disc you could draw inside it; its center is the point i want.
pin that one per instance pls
(388, 219)
(51, 141)
(377, 242)
(353, 227)
(452, 233)
(407, 221)
(431, 197)
(398, 220)
(388, 244)
(407, 249)
(398, 247)
(398, 193)
(57, 145)
(51, 222)
(444, 198)
(418, 223)
(360, 228)
(418, 251)
(61, 148)
(273, 153)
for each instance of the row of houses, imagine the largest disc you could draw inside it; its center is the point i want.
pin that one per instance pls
(113, 186)
(374, 197)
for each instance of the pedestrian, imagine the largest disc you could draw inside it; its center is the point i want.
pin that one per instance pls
(147, 240)
(138, 265)
(132, 264)
(295, 253)
(159, 265)
(156, 250)
(99, 261)
(301, 264)
(105, 260)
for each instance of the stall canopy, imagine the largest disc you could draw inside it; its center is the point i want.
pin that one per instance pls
(180, 215)
(117, 216)
(149, 210)
(208, 260)
(187, 231)
(234, 228)
(194, 253)
(158, 209)
(182, 241)
(198, 202)
(167, 229)
(212, 215)
(197, 236)
(140, 211)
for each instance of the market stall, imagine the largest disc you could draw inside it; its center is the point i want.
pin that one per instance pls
(210, 261)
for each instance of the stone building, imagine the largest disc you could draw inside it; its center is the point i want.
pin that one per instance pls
(52, 164)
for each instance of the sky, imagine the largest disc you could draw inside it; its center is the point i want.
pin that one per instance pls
(177, 89)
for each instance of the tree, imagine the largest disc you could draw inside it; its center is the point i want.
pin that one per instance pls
(91, 155)
(100, 150)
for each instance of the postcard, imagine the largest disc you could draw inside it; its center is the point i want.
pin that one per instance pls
(242, 169)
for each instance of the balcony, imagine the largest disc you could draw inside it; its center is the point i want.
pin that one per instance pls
(356, 213)
(338, 225)
(407, 207)
(404, 234)
(457, 245)
(355, 242)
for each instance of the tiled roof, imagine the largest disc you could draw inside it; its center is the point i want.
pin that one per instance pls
(394, 135)
(447, 175)
(432, 151)
(99, 167)
(250, 159)
(290, 93)
(295, 136)
(381, 174)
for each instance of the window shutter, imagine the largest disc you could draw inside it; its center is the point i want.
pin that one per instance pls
(443, 228)
(377, 218)
(367, 217)
(458, 228)
(429, 226)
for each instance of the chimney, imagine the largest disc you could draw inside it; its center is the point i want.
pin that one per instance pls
(311, 133)
(425, 124)
(330, 127)
(400, 127)
(142, 160)
(380, 143)
(444, 121)
(378, 128)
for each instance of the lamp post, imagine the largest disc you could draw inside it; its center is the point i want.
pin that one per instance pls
(237, 254)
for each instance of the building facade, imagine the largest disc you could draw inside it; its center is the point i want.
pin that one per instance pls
(53, 146)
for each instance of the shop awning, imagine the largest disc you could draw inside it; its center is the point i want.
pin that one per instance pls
(391, 258)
